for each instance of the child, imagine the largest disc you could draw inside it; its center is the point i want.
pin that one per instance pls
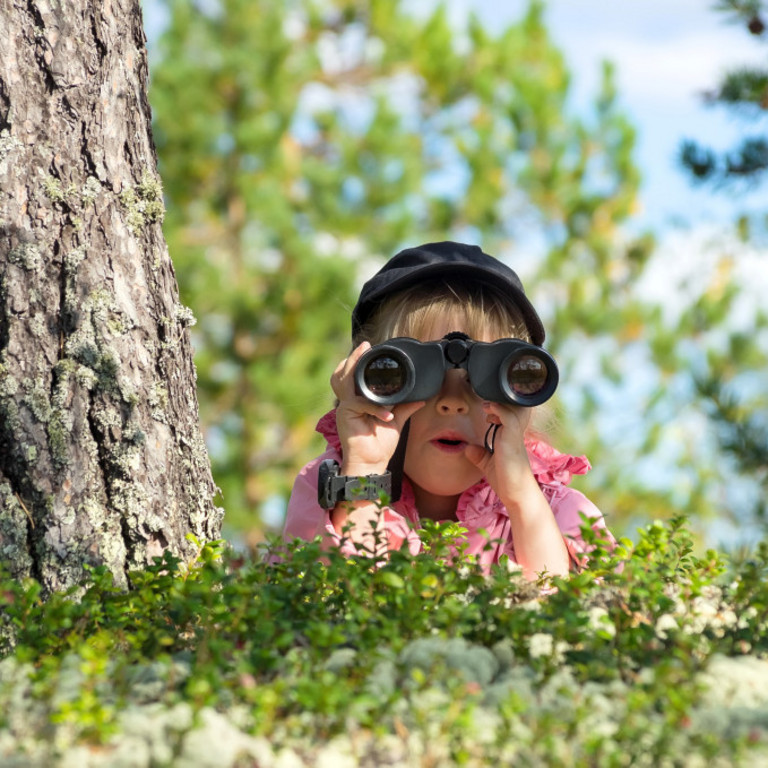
(510, 489)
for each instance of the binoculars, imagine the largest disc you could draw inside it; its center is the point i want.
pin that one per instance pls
(404, 370)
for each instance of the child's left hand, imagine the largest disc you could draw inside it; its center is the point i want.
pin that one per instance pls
(507, 469)
(539, 544)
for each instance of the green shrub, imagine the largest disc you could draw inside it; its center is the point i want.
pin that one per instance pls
(651, 655)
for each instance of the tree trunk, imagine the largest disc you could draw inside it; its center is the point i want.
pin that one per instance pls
(101, 456)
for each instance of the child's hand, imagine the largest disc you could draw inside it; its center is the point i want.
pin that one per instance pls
(539, 544)
(369, 433)
(507, 468)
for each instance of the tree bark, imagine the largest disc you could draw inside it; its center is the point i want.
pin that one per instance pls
(101, 455)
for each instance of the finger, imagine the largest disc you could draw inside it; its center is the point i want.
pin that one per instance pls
(357, 353)
(404, 411)
(342, 379)
(510, 415)
(359, 407)
(477, 455)
(492, 415)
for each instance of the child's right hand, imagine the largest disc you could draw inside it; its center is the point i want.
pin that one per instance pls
(369, 433)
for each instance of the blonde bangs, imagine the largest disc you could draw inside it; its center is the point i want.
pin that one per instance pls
(480, 310)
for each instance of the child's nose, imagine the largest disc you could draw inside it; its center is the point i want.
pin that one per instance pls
(455, 393)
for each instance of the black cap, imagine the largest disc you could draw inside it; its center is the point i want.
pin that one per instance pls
(413, 265)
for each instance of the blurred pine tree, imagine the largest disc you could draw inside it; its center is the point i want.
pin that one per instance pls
(733, 384)
(303, 142)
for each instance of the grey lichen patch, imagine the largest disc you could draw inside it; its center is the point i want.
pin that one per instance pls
(55, 190)
(119, 324)
(14, 523)
(131, 500)
(73, 258)
(143, 203)
(184, 316)
(89, 347)
(108, 418)
(61, 418)
(8, 145)
(126, 458)
(37, 325)
(90, 191)
(27, 256)
(9, 415)
(65, 515)
(95, 512)
(59, 431)
(158, 402)
(37, 400)
(68, 368)
(9, 385)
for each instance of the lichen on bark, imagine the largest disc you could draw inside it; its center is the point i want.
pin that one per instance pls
(101, 457)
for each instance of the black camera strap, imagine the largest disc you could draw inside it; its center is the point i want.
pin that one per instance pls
(397, 463)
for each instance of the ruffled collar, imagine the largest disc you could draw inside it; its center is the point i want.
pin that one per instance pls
(549, 466)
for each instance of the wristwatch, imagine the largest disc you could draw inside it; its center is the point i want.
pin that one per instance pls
(333, 487)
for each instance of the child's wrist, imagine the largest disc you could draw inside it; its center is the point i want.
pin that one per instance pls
(362, 469)
(526, 490)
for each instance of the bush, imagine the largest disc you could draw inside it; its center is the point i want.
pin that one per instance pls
(651, 656)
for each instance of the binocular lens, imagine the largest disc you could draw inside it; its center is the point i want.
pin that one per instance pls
(385, 376)
(527, 375)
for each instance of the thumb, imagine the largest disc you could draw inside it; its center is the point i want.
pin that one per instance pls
(476, 454)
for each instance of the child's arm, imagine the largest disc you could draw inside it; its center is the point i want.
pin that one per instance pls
(538, 541)
(369, 434)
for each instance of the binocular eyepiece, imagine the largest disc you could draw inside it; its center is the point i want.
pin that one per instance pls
(404, 370)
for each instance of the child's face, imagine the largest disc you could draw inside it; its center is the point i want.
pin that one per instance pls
(440, 431)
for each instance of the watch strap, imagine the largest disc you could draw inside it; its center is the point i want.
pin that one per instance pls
(333, 487)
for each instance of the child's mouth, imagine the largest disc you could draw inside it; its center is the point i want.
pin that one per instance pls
(448, 445)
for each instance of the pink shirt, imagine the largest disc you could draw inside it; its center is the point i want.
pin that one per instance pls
(479, 509)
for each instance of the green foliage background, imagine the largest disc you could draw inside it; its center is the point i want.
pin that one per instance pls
(301, 143)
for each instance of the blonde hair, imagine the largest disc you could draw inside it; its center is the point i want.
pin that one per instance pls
(482, 308)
